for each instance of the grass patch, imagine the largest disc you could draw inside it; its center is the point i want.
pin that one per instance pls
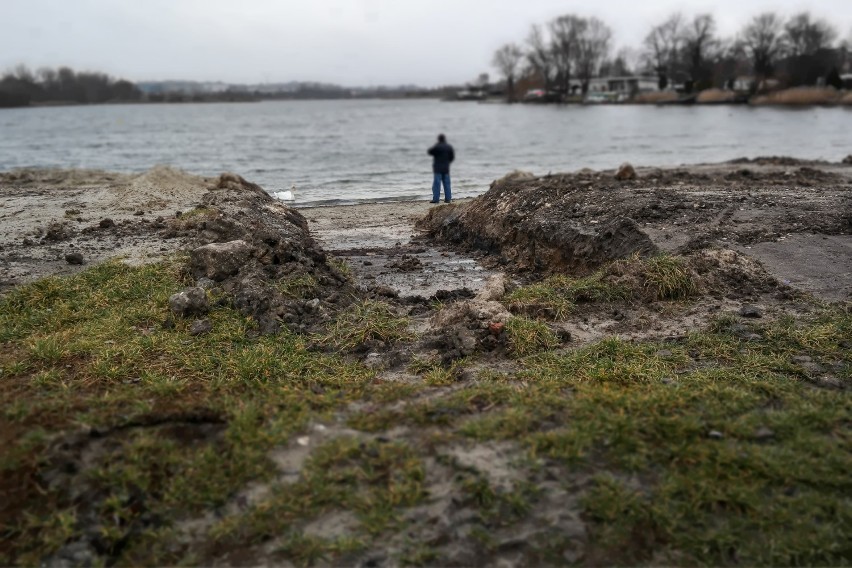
(92, 350)
(341, 266)
(556, 296)
(644, 413)
(298, 287)
(186, 424)
(373, 480)
(365, 322)
(662, 277)
(668, 278)
(527, 336)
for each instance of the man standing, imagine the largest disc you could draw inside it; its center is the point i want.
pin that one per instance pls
(442, 154)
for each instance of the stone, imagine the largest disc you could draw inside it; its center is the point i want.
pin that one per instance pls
(625, 172)
(664, 353)
(799, 359)
(74, 258)
(190, 301)
(715, 435)
(750, 311)
(201, 327)
(763, 433)
(373, 361)
(57, 232)
(812, 369)
(496, 327)
(206, 283)
(218, 261)
(106, 223)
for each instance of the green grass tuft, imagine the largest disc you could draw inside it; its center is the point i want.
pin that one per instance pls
(668, 278)
(364, 322)
(556, 296)
(528, 336)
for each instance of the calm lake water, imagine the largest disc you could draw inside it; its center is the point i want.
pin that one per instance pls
(343, 151)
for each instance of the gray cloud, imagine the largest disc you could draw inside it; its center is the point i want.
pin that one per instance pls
(354, 42)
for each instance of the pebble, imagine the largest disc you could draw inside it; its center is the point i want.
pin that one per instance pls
(750, 311)
(715, 435)
(74, 258)
(106, 223)
(763, 433)
(201, 327)
(802, 359)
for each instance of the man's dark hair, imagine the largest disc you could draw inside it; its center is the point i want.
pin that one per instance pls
(442, 138)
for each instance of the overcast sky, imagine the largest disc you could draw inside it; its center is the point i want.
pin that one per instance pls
(351, 42)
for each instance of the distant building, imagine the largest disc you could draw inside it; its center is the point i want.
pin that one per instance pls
(626, 86)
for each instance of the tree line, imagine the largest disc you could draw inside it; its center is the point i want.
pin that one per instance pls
(688, 51)
(25, 86)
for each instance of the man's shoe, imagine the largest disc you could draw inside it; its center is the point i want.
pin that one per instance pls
(434, 202)
(447, 200)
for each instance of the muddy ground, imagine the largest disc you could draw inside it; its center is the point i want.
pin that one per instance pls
(757, 232)
(760, 239)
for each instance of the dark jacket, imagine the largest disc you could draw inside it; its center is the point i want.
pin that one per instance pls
(443, 154)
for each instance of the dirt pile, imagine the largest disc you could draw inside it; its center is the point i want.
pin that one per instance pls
(50, 214)
(537, 224)
(259, 253)
(577, 222)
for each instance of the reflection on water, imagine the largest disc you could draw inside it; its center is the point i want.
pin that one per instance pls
(353, 150)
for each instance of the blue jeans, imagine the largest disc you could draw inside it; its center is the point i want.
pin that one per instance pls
(436, 187)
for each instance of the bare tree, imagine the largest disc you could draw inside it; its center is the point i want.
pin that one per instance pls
(662, 45)
(565, 31)
(621, 65)
(699, 42)
(23, 74)
(540, 56)
(763, 41)
(806, 36)
(506, 60)
(593, 45)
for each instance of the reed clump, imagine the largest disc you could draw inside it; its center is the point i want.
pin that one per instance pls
(715, 96)
(802, 96)
(655, 97)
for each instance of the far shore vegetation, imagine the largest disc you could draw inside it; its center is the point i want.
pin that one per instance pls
(773, 59)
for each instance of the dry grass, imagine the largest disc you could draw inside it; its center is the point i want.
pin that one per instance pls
(655, 97)
(715, 96)
(800, 96)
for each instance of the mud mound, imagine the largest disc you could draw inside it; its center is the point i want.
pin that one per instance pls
(727, 273)
(157, 189)
(470, 326)
(541, 224)
(260, 253)
(776, 161)
(577, 222)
